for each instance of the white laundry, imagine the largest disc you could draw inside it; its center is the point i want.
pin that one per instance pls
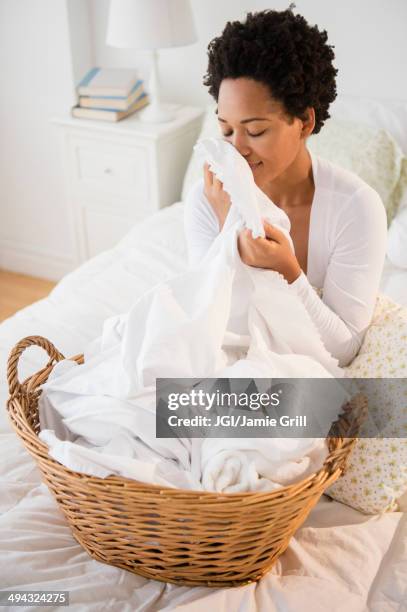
(219, 319)
(258, 464)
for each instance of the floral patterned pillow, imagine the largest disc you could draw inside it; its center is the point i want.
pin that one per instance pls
(370, 153)
(376, 477)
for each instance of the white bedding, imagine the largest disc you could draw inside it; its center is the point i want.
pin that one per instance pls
(339, 560)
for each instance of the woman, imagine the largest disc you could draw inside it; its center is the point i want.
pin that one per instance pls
(273, 80)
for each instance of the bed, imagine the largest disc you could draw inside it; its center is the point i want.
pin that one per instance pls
(339, 559)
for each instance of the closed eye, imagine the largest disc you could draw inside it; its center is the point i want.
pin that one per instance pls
(248, 133)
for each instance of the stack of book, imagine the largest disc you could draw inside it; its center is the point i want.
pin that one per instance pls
(109, 94)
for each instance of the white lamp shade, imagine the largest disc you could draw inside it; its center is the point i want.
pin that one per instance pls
(150, 24)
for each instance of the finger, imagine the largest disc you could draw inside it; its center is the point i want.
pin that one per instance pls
(217, 184)
(245, 236)
(272, 233)
(208, 176)
(245, 233)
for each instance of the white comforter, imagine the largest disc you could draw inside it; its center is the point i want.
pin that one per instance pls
(339, 560)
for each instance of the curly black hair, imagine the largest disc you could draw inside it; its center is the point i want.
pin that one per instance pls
(281, 50)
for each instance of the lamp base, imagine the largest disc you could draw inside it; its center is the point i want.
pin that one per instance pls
(156, 113)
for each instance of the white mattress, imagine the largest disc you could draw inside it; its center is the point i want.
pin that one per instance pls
(339, 560)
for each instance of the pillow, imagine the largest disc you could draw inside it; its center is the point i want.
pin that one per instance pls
(385, 114)
(376, 477)
(372, 154)
(373, 482)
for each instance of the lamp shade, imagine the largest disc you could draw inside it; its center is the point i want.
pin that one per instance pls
(150, 24)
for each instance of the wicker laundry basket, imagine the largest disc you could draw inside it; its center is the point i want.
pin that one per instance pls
(179, 536)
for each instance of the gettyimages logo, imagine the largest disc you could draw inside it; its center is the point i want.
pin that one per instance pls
(276, 408)
(248, 398)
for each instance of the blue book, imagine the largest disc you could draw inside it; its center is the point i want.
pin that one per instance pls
(109, 82)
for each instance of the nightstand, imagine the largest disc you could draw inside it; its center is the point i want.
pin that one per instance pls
(118, 173)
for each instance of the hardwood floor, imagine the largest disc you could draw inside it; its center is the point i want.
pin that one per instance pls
(19, 290)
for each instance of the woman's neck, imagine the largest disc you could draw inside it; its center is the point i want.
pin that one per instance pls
(295, 186)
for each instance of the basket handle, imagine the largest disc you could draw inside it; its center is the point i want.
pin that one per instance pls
(15, 387)
(352, 417)
(347, 426)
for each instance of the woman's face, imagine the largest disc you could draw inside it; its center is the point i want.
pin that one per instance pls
(259, 128)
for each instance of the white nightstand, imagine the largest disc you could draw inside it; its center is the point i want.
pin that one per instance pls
(118, 173)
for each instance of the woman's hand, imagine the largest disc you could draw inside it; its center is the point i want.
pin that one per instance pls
(216, 195)
(273, 252)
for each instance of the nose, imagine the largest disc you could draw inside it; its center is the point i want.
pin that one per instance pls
(240, 143)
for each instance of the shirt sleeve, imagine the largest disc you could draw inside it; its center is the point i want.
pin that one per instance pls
(200, 223)
(352, 277)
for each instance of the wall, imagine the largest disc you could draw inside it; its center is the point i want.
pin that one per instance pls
(369, 38)
(37, 82)
(80, 39)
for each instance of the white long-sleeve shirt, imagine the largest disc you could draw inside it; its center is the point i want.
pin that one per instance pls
(346, 252)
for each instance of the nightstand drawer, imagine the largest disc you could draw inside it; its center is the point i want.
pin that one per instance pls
(105, 169)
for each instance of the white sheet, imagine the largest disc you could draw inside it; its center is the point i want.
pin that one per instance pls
(338, 560)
